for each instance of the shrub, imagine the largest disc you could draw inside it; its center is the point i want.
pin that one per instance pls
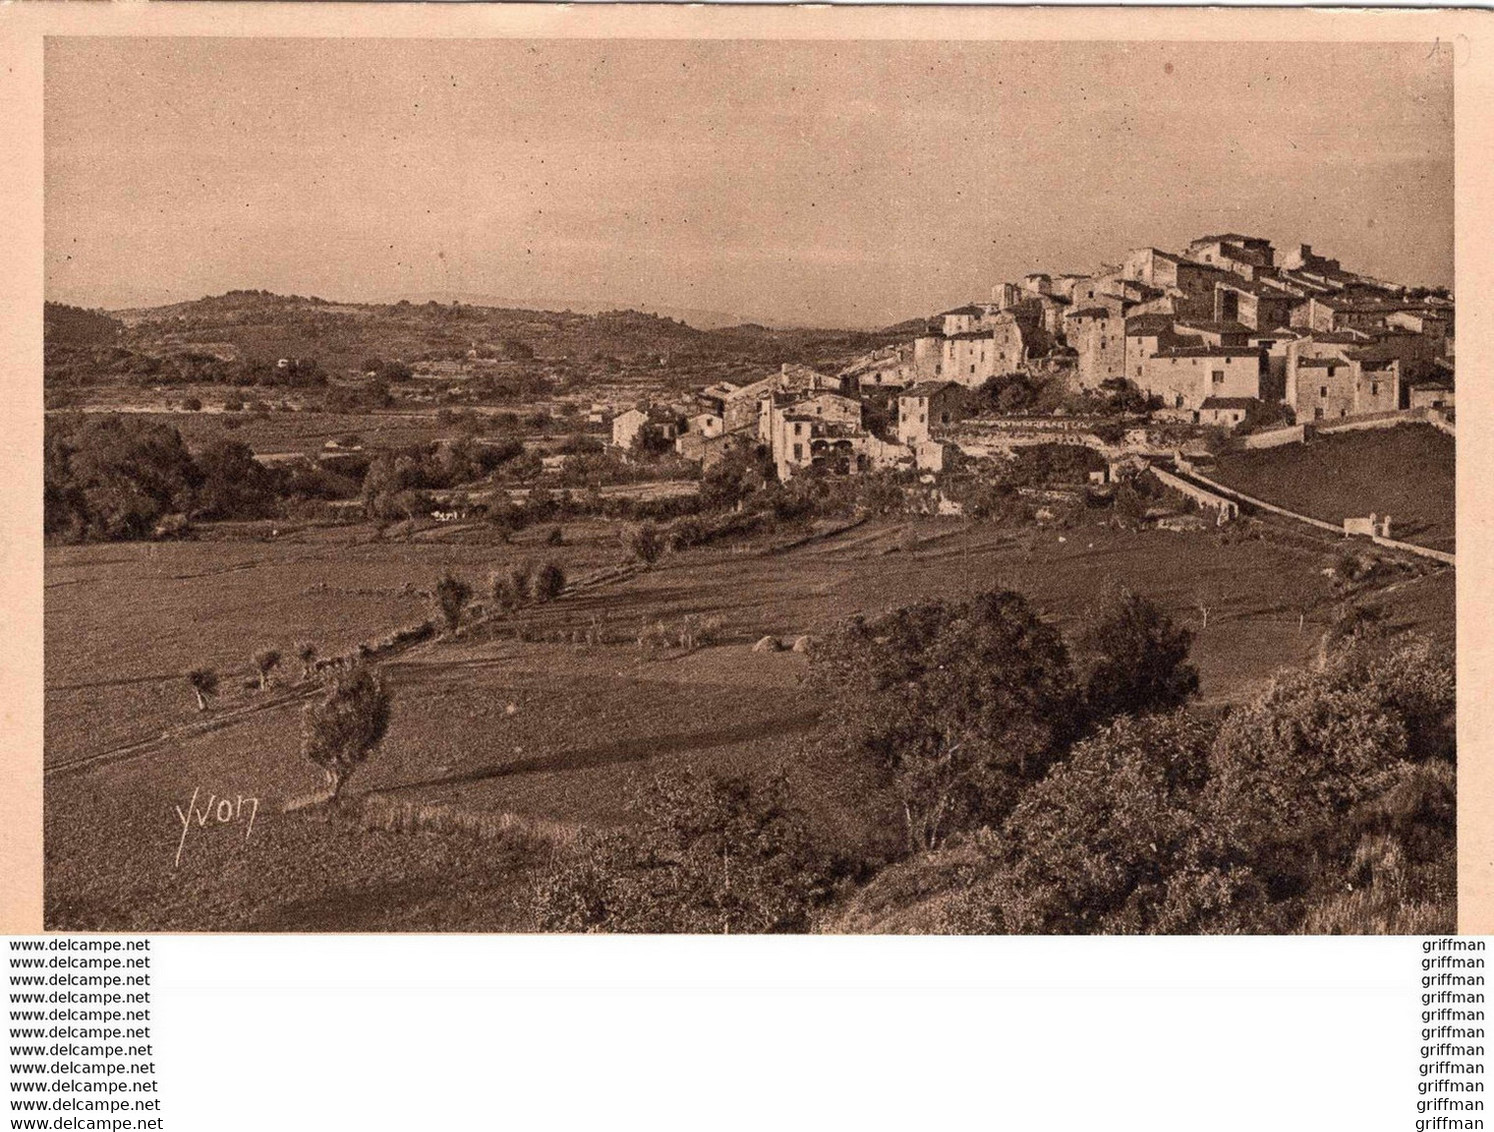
(450, 597)
(646, 543)
(306, 654)
(549, 582)
(556, 537)
(711, 854)
(1135, 661)
(521, 580)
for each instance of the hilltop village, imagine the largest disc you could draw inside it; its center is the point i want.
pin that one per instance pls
(1229, 336)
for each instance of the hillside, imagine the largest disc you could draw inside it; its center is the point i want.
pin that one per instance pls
(341, 336)
(63, 325)
(1405, 472)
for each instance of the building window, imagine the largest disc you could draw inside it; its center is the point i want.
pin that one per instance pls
(1317, 414)
(1323, 392)
(798, 452)
(1374, 389)
(1218, 376)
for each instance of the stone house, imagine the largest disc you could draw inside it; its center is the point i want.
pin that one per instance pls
(1187, 376)
(1346, 383)
(1098, 336)
(928, 406)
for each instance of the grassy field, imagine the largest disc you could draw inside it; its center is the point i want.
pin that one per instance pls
(555, 733)
(1404, 472)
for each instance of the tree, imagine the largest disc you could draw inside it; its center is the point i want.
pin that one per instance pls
(1135, 661)
(266, 660)
(234, 484)
(647, 543)
(306, 654)
(549, 583)
(204, 683)
(959, 706)
(451, 596)
(339, 733)
(112, 476)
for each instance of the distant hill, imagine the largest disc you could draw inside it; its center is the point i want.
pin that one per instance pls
(63, 325)
(341, 336)
(696, 317)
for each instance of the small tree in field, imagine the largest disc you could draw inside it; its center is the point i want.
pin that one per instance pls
(647, 543)
(340, 732)
(306, 654)
(521, 581)
(451, 597)
(265, 662)
(549, 583)
(204, 683)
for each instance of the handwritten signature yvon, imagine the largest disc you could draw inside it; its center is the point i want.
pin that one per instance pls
(218, 811)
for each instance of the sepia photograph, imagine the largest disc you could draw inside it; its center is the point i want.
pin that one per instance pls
(733, 485)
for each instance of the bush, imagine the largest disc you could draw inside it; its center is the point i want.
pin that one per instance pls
(646, 543)
(450, 598)
(549, 583)
(1135, 661)
(710, 854)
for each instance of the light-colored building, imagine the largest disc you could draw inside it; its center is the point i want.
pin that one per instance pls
(1184, 377)
(1332, 388)
(1247, 256)
(926, 408)
(1258, 305)
(963, 320)
(1431, 395)
(627, 427)
(1225, 412)
(1098, 336)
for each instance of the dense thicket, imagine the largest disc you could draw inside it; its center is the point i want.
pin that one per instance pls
(1043, 790)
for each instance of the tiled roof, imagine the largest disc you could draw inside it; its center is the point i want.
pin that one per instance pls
(1208, 352)
(1229, 402)
(1229, 326)
(1148, 324)
(928, 388)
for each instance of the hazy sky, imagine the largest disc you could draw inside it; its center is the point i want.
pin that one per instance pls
(850, 183)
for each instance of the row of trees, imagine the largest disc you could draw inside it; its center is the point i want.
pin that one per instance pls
(522, 583)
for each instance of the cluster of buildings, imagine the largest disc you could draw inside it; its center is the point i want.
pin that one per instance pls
(1208, 334)
(805, 418)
